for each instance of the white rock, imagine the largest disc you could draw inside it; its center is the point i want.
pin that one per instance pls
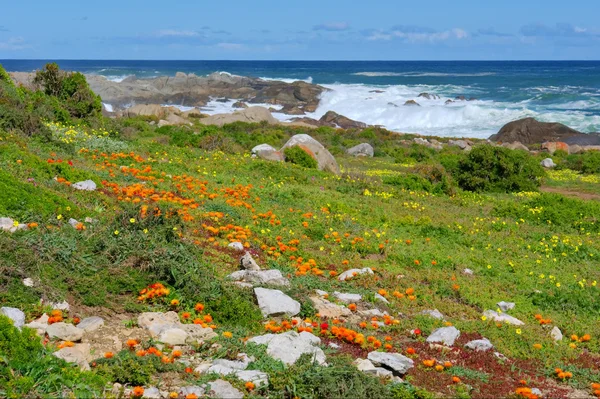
(347, 298)
(321, 292)
(479, 345)
(556, 334)
(173, 336)
(289, 346)
(394, 361)
(329, 310)
(367, 367)
(197, 334)
(445, 335)
(64, 331)
(28, 282)
(372, 313)
(537, 392)
(257, 377)
(468, 272)
(506, 306)
(381, 298)
(91, 323)
(40, 324)
(73, 222)
(156, 322)
(275, 303)
(73, 355)
(16, 315)
(238, 246)
(348, 274)
(548, 163)
(502, 318)
(193, 389)
(86, 185)
(362, 150)
(64, 306)
(6, 224)
(436, 314)
(333, 345)
(247, 262)
(223, 389)
(152, 393)
(243, 361)
(260, 277)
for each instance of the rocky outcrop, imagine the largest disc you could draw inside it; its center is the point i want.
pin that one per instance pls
(412, 103)
(362, 150)
(289, 346)
(445, 335)
(553, 146)
(396, 362)
(265, 151)
(429, 96)
(334, 119)
(250, 115)
(530, 131)
(515, 145)
(275, 303)
(324, 159)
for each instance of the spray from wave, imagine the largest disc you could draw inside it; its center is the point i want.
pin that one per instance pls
(422, 74)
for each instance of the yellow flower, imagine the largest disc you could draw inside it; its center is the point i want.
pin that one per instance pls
(15, 223)
(145, 231)
(227, 334)
(518, 331)
(59, 217)
(132, 220)
(483, 318)
(116, 232)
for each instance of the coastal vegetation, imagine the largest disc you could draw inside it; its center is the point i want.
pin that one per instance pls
(435, 238)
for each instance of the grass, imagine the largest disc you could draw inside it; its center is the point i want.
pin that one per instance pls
(538, 250)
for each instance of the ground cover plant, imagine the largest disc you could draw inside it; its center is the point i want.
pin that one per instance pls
(155, 235)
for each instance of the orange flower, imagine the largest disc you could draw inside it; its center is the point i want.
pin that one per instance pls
(447, 364)
(249, 385)
(208, 318)
(455, 380)
(382, 292)
(410, 291)
(352, 307)
(173, 395)
(585, 338)
(185, 315)
(137, 392)
(411, 351)
(227, 334)
(174, 302)
(537, 346)
(176, 353)
(109, 355)
(574, 337)
(439, 367)
(429, 363)
(199, 307)
(191, 396)
(140, 353)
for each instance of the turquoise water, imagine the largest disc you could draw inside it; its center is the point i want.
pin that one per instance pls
(375, 91)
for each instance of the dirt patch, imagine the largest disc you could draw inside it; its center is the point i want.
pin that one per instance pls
(570, 193)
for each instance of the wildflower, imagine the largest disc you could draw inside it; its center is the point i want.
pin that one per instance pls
(574, 337)
(137, 392)
(382, 292)
(188, 370)
(199, 307)
(173, 395)
(455, 380)
(439, 367)
(411, 351)
(518, 331)
(185, 315)
(191, 396)
(585, 338)
(176, 353)
(59, 217)
(537, 346)
(116, 232)
(131, 343)
(227, 334)
(429, 363)
(249, 385)
(140, 353)
(132, 220)
(174, 302)
(352, 307)
(108, 355)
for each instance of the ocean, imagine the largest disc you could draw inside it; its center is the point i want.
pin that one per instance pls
(374, 92)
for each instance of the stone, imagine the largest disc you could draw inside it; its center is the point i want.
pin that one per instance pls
(479, 345)
(394, 361)
(243, 360)
(367, 367)
(462, 144)
(8, 224)
(256, 376)
(436, 314)
(381, 298)
(196, 333)
(429, 96)
(152, 393)
(86, 185)
(362, 150)
(260, 277)
(411, 103)
(173, 336)
(515, 145)
(329, 310)
(530, 131)
(289, 346)
(445, 335)
(548, 163)
(336, 120)
(553, 146)
(239, 104)
(321, 292)
(347, 298)
(275, 303)
(250, 115)
(91, 323)
(312, 147)
(16, 315)
(156, 322)
(348, 274)
(537, 392)
(505, 306)
(40, 324)
(502, 318)
(223, 389)
(64, 306)
(73, 355)
(372, 313)
(468, 272)
(192, 390)
(248, 263)
(64, 331)
(267, 152)
(238, 246)
(73, 222)
(556, 334)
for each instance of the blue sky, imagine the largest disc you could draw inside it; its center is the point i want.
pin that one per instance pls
(301, 30)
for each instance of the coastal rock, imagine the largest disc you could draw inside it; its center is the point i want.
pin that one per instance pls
(548, 163)
(445, 335)
(329, 310)
(553, 146)
(86, 185)
(515, 145)
(250, 115)
(64, 331)
(16, 315)
(347, 298)
(239, 104)
(411, 103)
(172, 120)
(479, 345)
(325, 160)
(247, 262)
(260, 277)
(394, 361)
(506, 306)
(334, 119)
(91, 323)
(156, 110)
(429, 96)
(362, 150)
(223, 389)
(462, 144)
(265, 151)
(348, 274)
(289, 346)
(275, 303)
(530, 131)
(502, 318)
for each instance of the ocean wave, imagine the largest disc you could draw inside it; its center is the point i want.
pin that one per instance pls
(422, 74)
(288, 80)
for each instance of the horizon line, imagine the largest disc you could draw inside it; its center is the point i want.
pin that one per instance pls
(291, 60)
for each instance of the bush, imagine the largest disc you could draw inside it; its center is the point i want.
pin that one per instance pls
(429, 178)
(498, 169)
(300, 157)
(5, 77)
(127, 368)
(587, 162)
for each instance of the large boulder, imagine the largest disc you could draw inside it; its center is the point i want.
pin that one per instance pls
(275, 303)
(16, 315)
(502, 318)
(530, 131)
(515, 145)
(156, 110)
(336, 120)
(445, 335)
(250, 115)
(396, 362)
(265, 151)
(64, 331)
(553, 146)
(329, 310)
(362, 150)
(260, 277)
(325, 160)
(289, 346)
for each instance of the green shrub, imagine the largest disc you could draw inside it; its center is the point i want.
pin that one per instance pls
(429, 178)
(5, 77)
(498, 169)
(127, 368)
(587, 162)
(300, 157)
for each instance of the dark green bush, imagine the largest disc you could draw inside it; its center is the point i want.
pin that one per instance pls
(298, 156)
(587, 162)
(498, 169)
(429, 178)
(5, 77)
(127, 368)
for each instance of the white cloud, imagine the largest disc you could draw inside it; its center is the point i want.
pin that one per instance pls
(14, 44)
(418, 35)
(176, 33)
(230, 46)
(332, 26)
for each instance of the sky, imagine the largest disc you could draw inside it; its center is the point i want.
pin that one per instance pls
(301, 30)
